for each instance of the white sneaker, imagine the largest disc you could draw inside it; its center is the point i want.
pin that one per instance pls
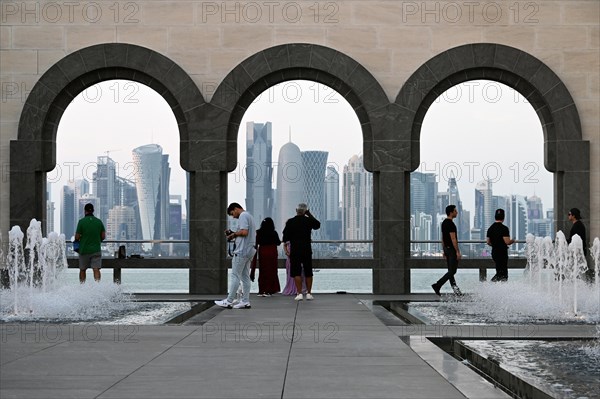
(242, 305)
(224, 303)
(309, 297)
(299, 297)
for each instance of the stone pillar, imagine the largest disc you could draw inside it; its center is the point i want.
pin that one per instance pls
(392, 275)
(572, 184)
(28, 184)
(208, 266)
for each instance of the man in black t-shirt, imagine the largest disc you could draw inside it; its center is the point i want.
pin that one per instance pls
(498, 237)
(297, 238)
(451, 251)
(577, 228)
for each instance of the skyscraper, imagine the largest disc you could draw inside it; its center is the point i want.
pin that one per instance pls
(518, 219)
(484, 212)
(332, 217)
(314, 166)
(423, 200)
(290, 184)
(121, 223)
(259, 170)
(104, 186)
(152, 184)
(357, 220)
(67, 212)
(49, 210)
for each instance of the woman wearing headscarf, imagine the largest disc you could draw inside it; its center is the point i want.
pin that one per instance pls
(267, 241)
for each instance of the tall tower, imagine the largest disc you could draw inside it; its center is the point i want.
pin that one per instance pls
(290, 184)
(484, 212)
(333, 221)
(518, 219)
(357, 220)
(67, 212)
(463, 222)
(259, 170)
(423, 199)
(104, 186)
(151, 180)
(314, 166)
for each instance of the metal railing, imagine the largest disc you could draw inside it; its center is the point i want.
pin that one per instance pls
(327, 254)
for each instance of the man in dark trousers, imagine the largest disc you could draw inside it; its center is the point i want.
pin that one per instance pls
(296, 235)
(498, 237)
(90, 233)
(451, 251)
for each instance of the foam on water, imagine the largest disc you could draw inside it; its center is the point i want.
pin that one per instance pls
(81, 302)
(36, 290)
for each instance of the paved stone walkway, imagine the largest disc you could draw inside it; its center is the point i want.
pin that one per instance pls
(332, 347)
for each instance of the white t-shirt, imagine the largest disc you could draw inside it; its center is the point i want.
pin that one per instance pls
(244, 245)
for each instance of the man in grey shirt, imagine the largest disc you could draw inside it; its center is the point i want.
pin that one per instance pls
(245, 238)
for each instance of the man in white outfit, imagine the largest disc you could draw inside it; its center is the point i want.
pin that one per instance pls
(245, 239)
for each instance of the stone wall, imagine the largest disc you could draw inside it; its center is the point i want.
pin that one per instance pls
(391, 39)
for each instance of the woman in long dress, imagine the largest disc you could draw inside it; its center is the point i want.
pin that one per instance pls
(290, 285)
(267, 241)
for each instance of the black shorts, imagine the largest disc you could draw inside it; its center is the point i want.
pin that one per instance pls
(299, 261)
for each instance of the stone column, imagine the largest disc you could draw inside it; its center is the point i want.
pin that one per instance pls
(392, 275)
(572, 184)
(208, 266)
(28, 184)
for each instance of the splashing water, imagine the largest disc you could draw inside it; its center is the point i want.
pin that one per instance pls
(36, 291)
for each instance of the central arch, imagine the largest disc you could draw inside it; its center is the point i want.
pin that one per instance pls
(266, 69)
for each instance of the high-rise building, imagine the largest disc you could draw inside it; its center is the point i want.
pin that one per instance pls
(518, 219)
(333, 220)
(424, 201)
(290, 184)
(81, 187)
(423, 193)
(484, 212)
(68, 215)
(357, 220)
(104, 186)
(314, 165)
(152, 184)
(259, 170)
(50, 208)
(175, 217)
(121, 223)
(332, 194)
(463, 220)
(535, 210)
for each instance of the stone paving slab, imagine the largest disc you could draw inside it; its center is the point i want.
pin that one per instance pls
(332, 347)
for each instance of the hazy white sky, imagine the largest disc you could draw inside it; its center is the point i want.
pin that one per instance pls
(474, 130)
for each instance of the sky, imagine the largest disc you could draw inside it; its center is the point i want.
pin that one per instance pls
(475, 130)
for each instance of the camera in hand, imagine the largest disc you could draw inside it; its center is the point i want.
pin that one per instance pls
(228, 233)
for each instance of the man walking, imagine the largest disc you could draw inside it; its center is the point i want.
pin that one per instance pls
(296, 235)
(451, 251)
(245, 238)
(90, 233)
(498, 237)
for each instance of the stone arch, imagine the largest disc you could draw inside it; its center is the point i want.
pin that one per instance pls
(542, 88)
(222, 119)
(301, 61)
(34, 152)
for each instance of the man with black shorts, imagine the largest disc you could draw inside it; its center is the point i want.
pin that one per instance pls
(90, 233)
(498, 237)
(451, 251)
(296, 235)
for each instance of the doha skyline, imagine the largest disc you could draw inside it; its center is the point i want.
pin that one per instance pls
(461, 135)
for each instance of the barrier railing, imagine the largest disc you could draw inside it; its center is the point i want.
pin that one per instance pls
(327, 254)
